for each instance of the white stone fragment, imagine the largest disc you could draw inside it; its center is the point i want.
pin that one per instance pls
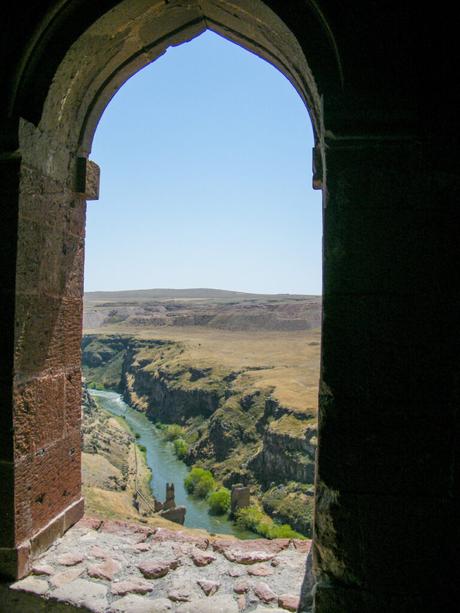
(82, 592)
(32, 585)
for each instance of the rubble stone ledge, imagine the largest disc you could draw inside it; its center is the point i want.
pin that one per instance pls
(120, 567)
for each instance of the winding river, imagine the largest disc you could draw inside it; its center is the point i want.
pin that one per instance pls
(166, 467)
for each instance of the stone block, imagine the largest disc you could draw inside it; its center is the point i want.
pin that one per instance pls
(50, 333)
(47, 482)
(6, 415)
(83, 593)
(380, 546)
(39, 413)
(72, 407)
(15, 561)
(74, 513)
(51, 239)
(176, 514)
(385, 358)
(87, 179)
(385, 446)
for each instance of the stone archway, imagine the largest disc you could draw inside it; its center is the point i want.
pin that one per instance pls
(55, 180)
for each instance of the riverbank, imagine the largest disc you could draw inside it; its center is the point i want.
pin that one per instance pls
(114, 469)
(165, 467)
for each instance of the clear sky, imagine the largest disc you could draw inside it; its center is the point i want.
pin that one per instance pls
(205, 159)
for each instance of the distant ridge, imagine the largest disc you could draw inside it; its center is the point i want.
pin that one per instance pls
(163, 294)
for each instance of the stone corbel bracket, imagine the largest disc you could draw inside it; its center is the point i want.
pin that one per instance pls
(87, 178)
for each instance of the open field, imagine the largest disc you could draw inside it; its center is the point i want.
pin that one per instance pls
(286, 361)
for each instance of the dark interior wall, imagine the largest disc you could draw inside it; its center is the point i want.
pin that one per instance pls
(387, 480)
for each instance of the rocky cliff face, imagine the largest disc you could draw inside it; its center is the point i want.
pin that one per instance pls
(165, 394)
(288, 448)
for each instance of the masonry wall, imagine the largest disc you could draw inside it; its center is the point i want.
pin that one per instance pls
(47, 380)
(386, 503)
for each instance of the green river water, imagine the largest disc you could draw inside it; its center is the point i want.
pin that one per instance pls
(166, 468)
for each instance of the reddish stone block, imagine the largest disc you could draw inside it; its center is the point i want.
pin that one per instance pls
(39, 413)
(72, 407)
(93, 523)
(50, 333)
(46, 483)
(73, 514)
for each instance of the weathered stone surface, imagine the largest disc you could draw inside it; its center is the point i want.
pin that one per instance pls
(260, 570)
(98, 552)
(241, 587)
(83, 592)
(66, 576)
(153, 569)
(71, 559)
(42, 569)
(179, 595)
(106, 570)
(209, 587)
(235, 572)
(265, 593)
(202, 559)
(250, 551)
(300, 545)
(138, 604)
(32, 585)
(290, 602)
(188, 584)
(212, 604)
(132, 585)
(163, 534)
(247, 557)
(93, 523)
(141, 547)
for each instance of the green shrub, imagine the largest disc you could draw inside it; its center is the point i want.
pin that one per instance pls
(173, 431)
(137, 435)
(249, 517)
(143, 449)
(254, 519)
(219, 501)
(204, 486)
(180, 448)
(199, 482)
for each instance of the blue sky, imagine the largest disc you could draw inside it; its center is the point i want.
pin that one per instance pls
(205, 159)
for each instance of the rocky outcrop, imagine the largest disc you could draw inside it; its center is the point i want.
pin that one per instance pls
(285, 457)
(160, 395)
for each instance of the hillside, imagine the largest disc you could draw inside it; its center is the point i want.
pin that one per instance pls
(201, 307)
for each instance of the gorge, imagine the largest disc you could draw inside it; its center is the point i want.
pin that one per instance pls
(240, 398)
